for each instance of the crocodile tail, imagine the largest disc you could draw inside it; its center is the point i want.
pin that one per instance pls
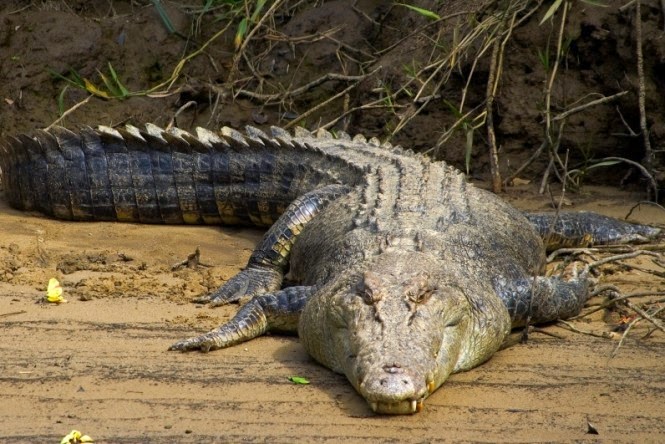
(156, 176)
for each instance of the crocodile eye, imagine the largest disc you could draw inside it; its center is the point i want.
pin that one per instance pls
(369, 296)
(369, 289)
(453, 322)
(418, 288)
(420, 295)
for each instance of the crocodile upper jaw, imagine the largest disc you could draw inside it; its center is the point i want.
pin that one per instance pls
(398, 408)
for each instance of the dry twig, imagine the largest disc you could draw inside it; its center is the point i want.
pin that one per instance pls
(620, 257)
(623, 337)
(266, 98)
(641, 100)
(656, 323)
(69, 111)
(241, 51)
(577, 109)
(193, 260)
(571, 327)
(618, 298)
(496, 67)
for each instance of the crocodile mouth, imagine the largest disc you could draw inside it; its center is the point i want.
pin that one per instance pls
(405, 407)
(396, 391)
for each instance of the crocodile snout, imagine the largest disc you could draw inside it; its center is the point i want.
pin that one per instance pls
(394, 389)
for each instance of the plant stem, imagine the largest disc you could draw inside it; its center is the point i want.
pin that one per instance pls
(641, 96)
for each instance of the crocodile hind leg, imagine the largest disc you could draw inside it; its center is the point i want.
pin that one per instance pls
(543, 299)
(265, 269)
(278, 311)
(582, 229)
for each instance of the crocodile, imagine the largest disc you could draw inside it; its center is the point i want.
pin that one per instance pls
(400, 272)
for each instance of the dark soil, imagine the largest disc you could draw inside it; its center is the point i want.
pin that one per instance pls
(300, 45)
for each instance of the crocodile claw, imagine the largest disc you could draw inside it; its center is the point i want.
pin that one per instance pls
(584, 275)
(250, 282)
(203, 343)
(250, 321)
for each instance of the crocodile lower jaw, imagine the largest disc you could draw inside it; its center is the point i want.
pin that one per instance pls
(397, 408)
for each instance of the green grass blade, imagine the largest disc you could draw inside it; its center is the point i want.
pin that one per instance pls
(424, 12)
(240, 34)
(595, 3)
(166, 20)
(259, 6)
(75, 79)
(551, 11)
(61, 101)
(604, 163)
(113, 91)
(123, 91)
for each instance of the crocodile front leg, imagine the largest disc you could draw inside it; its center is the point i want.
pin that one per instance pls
(581, 229)
(265, 269)
(278, 311)
(543, 299)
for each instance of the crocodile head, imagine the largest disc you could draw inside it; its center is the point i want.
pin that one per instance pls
(398, 329)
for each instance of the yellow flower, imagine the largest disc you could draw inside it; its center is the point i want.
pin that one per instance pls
(54, 292)
(75, 437)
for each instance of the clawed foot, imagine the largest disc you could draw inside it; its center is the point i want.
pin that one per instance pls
(252, 281)
(204, 343)
(250, 322)
(584, 275)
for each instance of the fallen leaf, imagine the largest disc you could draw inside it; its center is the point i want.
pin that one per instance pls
(517, 182)
(298, 380)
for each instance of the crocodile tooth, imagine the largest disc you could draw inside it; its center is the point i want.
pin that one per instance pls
(374, 406)
(419, 406)
(414, 405)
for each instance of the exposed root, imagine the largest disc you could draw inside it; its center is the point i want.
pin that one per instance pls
(290, 94)
(647, 309)
(193, 260)
(619, 298)
(569, 326)
(644, 202)
(616, 249)
(620, 257)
